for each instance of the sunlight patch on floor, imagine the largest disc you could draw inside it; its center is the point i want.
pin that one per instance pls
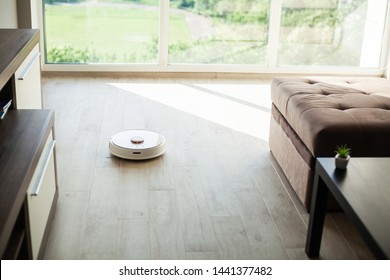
(241, 107)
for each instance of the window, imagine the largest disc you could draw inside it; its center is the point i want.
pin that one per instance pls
(105, 31)
(218, 32)
(331, 32)
(186, 33)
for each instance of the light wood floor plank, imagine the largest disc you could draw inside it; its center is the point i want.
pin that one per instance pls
(211, 255)
(80, 168)
(134, 240)
(331, 238)
(297, 254)
(101, 257)
(262, 233)
(166, 239)
(111, 124)
(232, 238)
(160, 171)
(351, 235)
(220, 196)
(290, 225)
(197, 228)
(102, 215)
(67, 232)
(105, 193)
(101, 235)
(133, 189)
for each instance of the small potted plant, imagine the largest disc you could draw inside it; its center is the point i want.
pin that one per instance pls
(342, 156)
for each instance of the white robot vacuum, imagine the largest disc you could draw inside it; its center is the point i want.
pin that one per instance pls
(137, 144)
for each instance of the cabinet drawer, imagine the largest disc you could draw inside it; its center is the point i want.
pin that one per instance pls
(40, 195)
(28, 82)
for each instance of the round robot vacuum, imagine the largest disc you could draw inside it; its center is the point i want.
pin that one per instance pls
(137, 144)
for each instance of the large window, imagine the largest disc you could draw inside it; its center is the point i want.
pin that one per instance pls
(331, 32)
(260, 33)
(219, 32)
(105, 31)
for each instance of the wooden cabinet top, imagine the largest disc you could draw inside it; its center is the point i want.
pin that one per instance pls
(15, 45)
(23, 135)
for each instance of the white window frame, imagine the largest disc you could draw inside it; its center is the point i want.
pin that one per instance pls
(164, 66)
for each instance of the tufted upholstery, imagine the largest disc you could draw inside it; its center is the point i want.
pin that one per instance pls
(325, 112)
(310, 116)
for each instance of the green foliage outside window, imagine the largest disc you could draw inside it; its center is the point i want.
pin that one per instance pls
(234, 12)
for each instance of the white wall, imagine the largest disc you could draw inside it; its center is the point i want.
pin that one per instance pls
(36, 13)
(386, 46)
(8, 14)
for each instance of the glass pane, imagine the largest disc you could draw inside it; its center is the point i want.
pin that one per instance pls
(218, 31)
(101, 31)
(331, 32)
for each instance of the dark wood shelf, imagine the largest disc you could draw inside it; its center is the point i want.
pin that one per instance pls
(17, 244)
(6, 94)
(23, 134)
(15, 45)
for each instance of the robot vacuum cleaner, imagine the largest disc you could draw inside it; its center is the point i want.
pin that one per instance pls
(137, 144)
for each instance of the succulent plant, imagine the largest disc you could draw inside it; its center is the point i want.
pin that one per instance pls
(343, 151)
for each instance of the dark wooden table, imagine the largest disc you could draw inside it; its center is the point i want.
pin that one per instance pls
(363, 192)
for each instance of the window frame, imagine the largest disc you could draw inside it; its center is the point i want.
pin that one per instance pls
(164, 66)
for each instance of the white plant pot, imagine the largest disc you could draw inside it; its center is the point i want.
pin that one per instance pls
(341, 163)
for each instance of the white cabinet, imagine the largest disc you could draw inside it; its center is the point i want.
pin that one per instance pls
(28, 82)
(40, 196)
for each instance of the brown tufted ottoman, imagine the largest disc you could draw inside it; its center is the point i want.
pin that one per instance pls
(311, 116)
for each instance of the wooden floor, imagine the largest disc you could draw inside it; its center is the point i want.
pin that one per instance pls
(216, 193)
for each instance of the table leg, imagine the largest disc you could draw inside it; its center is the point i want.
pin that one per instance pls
(317, 217)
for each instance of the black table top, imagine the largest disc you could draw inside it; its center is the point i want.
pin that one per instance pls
(363, 191)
